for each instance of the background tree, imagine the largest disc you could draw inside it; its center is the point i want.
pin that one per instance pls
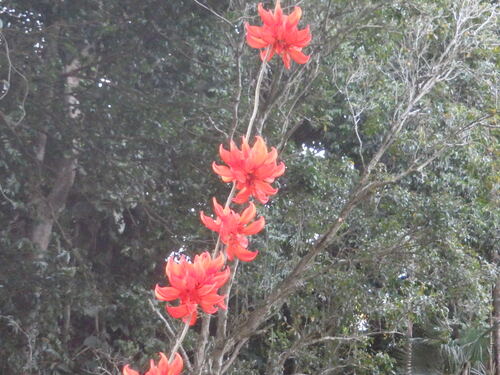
(387, 217)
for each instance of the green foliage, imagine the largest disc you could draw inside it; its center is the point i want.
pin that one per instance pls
(157, 95)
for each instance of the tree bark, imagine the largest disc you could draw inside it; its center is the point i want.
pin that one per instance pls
(409, 348)
(496, 327)
(49, 208)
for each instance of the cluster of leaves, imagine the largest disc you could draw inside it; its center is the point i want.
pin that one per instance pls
(160, 83)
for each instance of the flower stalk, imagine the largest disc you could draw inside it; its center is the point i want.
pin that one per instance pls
(179, 340)
(257, 95)
(252, 170)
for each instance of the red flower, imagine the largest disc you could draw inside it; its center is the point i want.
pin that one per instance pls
(233, 229)
(253, 169)
(163, 368)
(194, 284)
(280, 34)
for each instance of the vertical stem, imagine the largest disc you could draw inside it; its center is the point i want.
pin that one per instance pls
(496, 326)
(248, 133)
(200, 350)
(206, 320)
(409, 348)
(180, 339)
(67, 321)
(222, 321)
(257, 95)
(230, 196)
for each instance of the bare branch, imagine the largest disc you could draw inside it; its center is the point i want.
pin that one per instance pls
(171, 334)
(421, 78)
(213, 12)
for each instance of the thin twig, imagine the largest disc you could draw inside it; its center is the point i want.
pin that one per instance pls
(180, 339)
(257, 95)
(9, 69)
(214, 12)
(7, 198)
(171, 332)
(222, 318)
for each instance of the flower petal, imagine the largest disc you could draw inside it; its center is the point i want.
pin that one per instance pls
(177, 312)
(207, 303)
(301, 38)
(223, 171)
(294, 17)
(176, 365)
(217, 263)
(166, 293)
(206, 289)
(219, 210)
(255, 42)
(242, 196)
(266, 16)
(255, 227)
(265, 188)
(163, 365)
(248, 213)
(259, 151)
(221, 278)
(128, 371)
(244, 255)
(278, 13)
(225, 155)
(298, 56)
(279, 170)
(209, 222)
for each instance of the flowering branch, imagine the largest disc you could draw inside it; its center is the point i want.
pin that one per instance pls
(251, 170)
(257, 94)
(171, 334)
(179, 340)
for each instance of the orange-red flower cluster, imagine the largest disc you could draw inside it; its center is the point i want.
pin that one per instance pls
(194, 284)
(234, 228)
(252, 168)
(163, 367)
(279, 34)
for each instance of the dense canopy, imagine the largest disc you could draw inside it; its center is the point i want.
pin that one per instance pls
(380, 252)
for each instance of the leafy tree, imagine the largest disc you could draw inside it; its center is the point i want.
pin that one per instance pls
(380, 249)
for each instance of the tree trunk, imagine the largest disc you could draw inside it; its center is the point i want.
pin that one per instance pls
(409, 349)
(49, 208)
(496, 327)
(465, 369)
